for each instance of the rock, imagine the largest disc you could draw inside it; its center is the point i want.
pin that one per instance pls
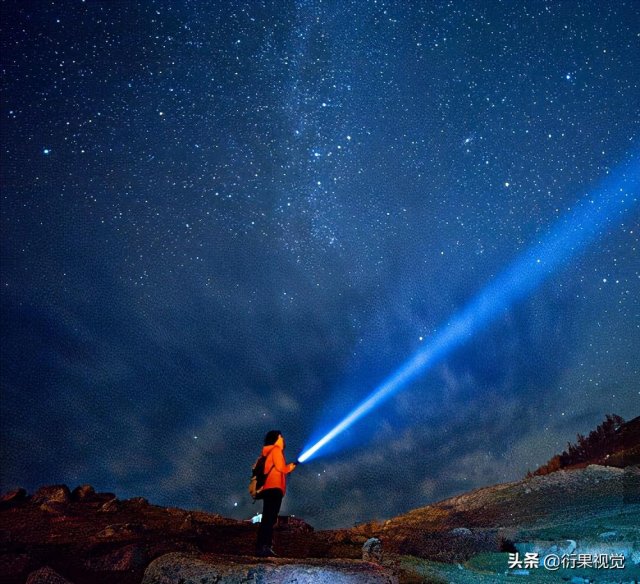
(83, 492)
(46, 575)
(107, 532)
(175, 511)
(372, 550)
(138, 501)
(52, 494)
(460, 532)
(188, 524)
(121, 529)
(174, 568)
(13, 498)
(111, 506)
(544, 548)
(130, 557)
(54, 508)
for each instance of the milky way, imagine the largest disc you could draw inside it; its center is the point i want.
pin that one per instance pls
(223, 218)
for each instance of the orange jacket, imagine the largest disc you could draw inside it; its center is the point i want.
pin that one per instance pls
(276, 468)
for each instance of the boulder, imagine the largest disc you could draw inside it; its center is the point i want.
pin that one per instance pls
(122, 530)
(129, 557)
(54, 508)
(52, 494)
(46, 575)
(177, 568)
(372, 550)
(188, 524)
(111, 506)
(13, 498)
(83, 492)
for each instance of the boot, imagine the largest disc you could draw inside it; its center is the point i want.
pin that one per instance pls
(266, 552)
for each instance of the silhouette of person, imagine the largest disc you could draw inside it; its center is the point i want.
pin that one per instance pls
(276, 469)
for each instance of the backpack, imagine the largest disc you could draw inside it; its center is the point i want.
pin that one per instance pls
(258, 478)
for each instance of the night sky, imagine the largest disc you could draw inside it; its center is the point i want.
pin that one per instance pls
(221, 218)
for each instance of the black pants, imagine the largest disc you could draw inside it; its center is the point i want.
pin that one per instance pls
(272, 499)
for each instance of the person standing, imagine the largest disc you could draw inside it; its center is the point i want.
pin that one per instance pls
(276, 469)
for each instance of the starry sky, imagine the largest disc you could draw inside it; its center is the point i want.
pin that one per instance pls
(221, 218)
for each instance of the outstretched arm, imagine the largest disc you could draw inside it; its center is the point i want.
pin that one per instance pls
(279, 462)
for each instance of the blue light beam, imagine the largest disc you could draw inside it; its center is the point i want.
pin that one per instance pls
(617, 193)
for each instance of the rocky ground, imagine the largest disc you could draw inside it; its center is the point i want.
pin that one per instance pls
(95, 538)
(88, 537)
(172, 568)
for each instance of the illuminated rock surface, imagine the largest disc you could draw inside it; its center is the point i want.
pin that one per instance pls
(182, 568)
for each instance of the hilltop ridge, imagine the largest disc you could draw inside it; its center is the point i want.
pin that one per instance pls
(613, 443)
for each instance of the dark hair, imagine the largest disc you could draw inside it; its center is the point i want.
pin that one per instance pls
(271, 437)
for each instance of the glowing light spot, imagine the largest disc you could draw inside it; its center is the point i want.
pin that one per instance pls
(46, 151)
